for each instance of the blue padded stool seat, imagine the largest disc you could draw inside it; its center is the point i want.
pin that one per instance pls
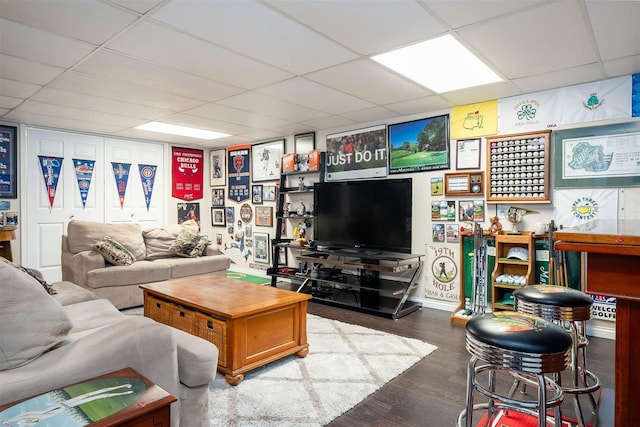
(553, 302)
(515, 344)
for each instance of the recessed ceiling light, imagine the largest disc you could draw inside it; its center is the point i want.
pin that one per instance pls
(441, 64)
(181, 130)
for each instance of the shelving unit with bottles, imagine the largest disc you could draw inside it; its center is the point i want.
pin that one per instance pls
(501, 288)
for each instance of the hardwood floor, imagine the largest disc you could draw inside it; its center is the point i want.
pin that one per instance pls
(432, 392)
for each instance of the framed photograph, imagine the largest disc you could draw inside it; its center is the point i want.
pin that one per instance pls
(217, 197)
(9, 162)
(452, 232)
(438, 233)
(261, 247)
(219, 239)
(437, 187)
(188, 211)
(230, 215)
(218, 217)
(464, 184)
(269, 193)
(218, 165)
(419, 145)
(264, 216)
(256, 194)
(265, 160)
(468, 154)
(304, 143)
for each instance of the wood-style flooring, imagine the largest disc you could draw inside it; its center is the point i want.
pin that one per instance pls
(432, 392)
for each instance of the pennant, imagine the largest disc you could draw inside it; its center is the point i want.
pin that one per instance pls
(147, 177)
(238, 177)
(601, 100)
(50, 167)
(474, 120)
(530, 112)
(187, 177)
(121, 174)
(84, 173)
(575, 207)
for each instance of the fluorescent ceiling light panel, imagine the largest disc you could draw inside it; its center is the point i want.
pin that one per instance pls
(441, 64)
(181, 130)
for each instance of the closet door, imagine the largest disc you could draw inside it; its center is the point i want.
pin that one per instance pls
(43, 224)
(120, 153)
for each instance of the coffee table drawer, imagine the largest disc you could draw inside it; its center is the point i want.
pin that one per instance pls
(215, 331)
(158, 310)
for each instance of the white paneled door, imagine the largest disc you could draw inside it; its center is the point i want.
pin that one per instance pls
(43, 224)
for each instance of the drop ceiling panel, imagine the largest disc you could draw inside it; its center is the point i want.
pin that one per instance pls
(17, 89)
(461, 13)
(40, 46)
(166, 46)
(370, 114)
(139, 6)
(72, 18)
(366, 27)
(625, 16)
(27, 71)
(54, 110)
(233, 115)
(266, 35)
(260, 103)
(116, 66)
(560, 78)
(58, 122)
(367, 80)
(421, 106)
(8, 102)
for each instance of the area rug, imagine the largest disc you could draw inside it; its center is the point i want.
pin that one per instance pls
(345, 364)
(260, 280)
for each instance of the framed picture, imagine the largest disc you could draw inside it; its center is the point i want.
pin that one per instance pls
(304, 142)
(269, 193)
(357, 154)
(218, 217)
(264, 216)
(218, 165)
(265, 160)
(419, 145)
(464, 184)
(437, 187)
(468, 154)
(230, 215)
(256, 194)
(9, 162)
(219, 239)
(217, 197)
(261, 247)
(188, 211)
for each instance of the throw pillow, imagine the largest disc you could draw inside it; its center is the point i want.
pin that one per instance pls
(31, 322)
(113, 252)
(189, 244)
(33, 273)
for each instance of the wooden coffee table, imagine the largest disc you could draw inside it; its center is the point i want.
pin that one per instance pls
(251, 325)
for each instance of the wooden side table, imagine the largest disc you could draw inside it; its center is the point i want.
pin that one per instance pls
(7, 234)
(122, 398)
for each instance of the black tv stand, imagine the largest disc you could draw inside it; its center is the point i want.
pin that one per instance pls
(373, 282)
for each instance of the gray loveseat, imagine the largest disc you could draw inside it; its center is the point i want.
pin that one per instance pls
(50, 341)
(86, 267)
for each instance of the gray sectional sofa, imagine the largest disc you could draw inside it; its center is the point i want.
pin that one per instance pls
(86, 267)
(50, 341)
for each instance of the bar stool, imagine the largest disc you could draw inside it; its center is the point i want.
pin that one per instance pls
(570, 309)
(514, 343)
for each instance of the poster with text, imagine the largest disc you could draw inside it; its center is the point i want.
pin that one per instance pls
(357, 154)
(187, 173)
(239, 175)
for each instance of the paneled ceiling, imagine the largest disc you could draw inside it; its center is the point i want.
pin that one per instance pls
(260, 70)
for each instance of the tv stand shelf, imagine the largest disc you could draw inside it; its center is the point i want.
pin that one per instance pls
(373, 282)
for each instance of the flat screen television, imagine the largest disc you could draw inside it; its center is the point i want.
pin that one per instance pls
(367, 215)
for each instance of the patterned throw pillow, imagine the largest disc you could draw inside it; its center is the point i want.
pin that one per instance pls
(113, 252)
(47, 287)
(189, 244)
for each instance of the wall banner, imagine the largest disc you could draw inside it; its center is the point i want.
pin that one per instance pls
(442, 280)
(50, 167)
(601, 100)
(187, 176)
(575, 207)
(530, 112)
(84, 173)
(121, 174)
(474, 120)
(238, 178)
(147, 177)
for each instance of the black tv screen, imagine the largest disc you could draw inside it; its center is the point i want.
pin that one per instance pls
(370, 215)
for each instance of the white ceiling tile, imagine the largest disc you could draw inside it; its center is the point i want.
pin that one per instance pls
(555, 79)
(166, 46)
(369, 114)
(625, 17)
(90, 85)
(54, 110)
(17, 89)
(8, 102)
(40, 46)
(139, 6)
(266, 35)
(72, 18)
(367, 27)
(116, 66)
(33, 118)
(367, 80)
(460, 13)
(329, 122)
(622, 66)
(314, 95)
(260, 103)
(205, 123)
(421, 105)
(96, 103)
(27, 71)
(516, 53)
(233, 115)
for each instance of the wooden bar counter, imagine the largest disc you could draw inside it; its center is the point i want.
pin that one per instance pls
(613, 269)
